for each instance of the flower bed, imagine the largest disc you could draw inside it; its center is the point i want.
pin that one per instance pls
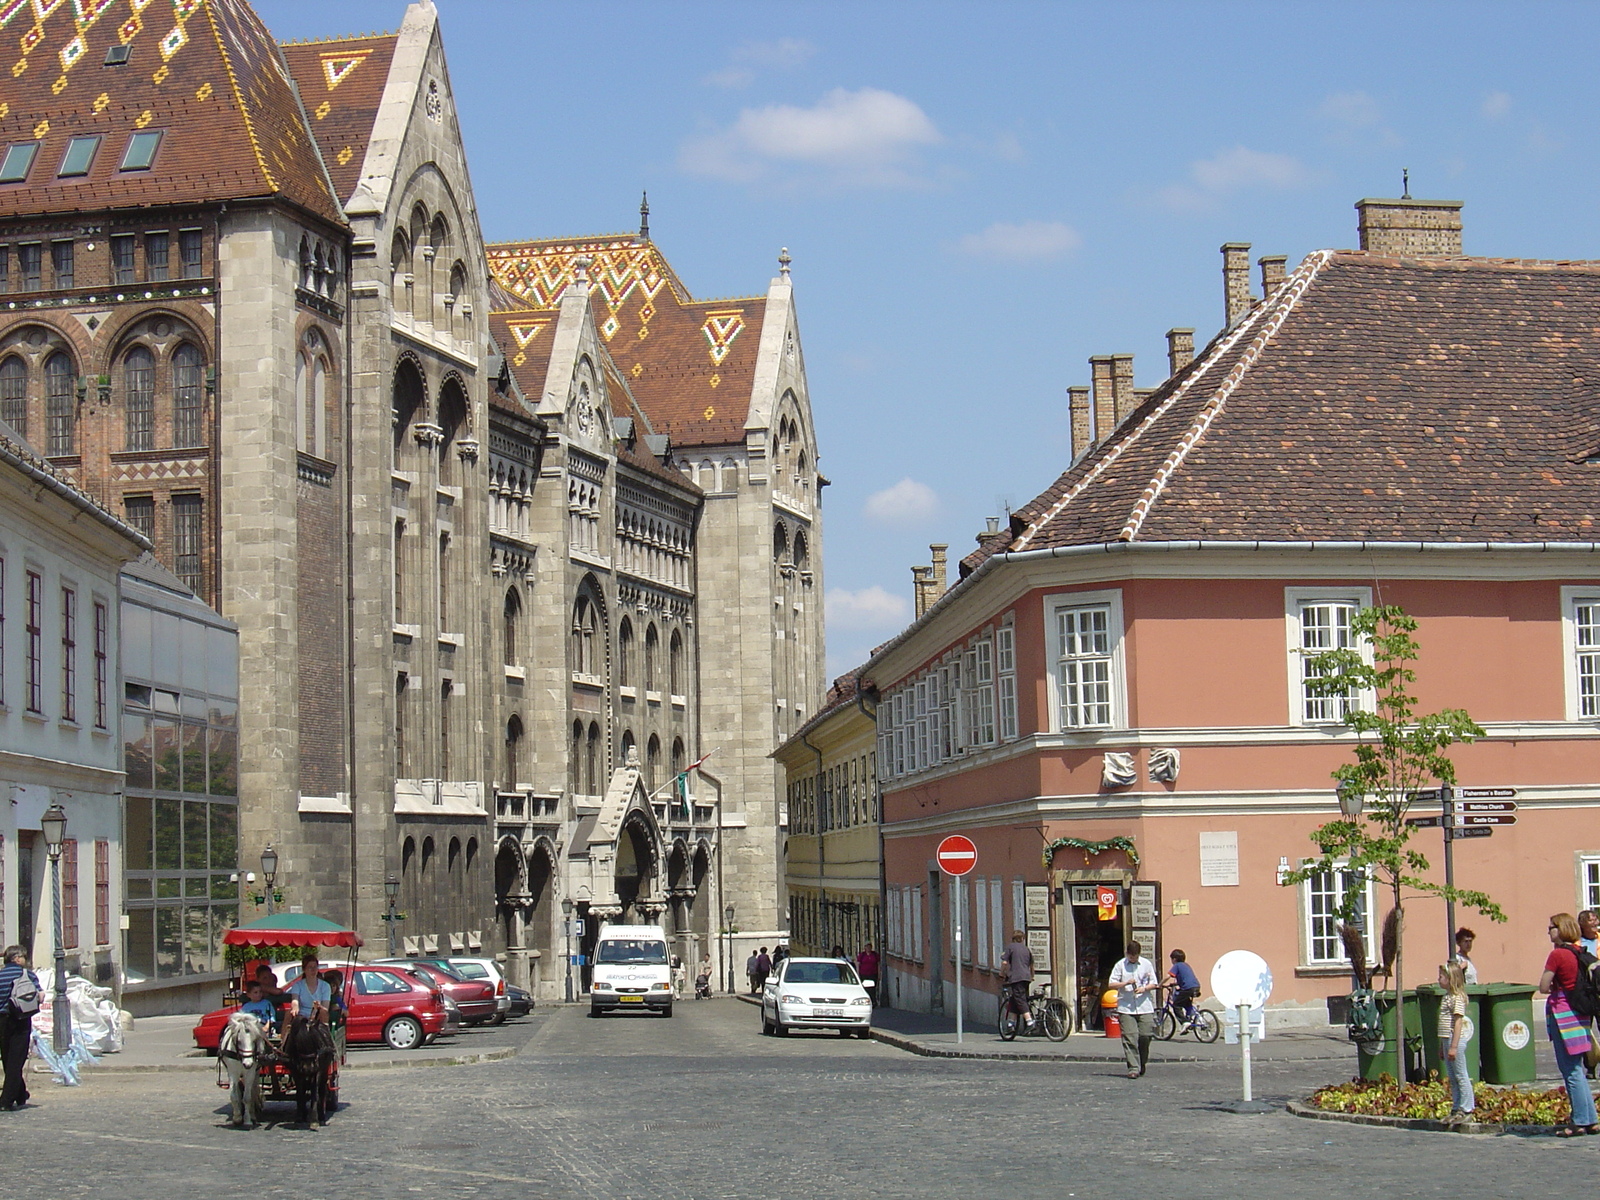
(1430, 1100)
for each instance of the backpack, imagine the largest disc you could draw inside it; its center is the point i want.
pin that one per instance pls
(25, 995)
(1364, 1023)
(1585, 996)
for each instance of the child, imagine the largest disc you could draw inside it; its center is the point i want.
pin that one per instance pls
(1185, 981)
(1452, 1035)
(258, 1004)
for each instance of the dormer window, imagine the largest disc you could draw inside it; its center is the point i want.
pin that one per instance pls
(117, 55)
(19, 158)
(141, 151)
(79, 156)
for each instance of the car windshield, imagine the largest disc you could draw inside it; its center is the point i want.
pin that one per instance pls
(819, 972)
(470, 970)
(625, 950)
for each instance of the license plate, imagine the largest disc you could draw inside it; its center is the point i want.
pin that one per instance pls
(632, 999)
(827, 1013)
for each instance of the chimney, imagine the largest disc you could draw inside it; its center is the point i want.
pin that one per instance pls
(991, 528)
(1274, 270)
(920, 579)
(1082, 430)
(1105, 405)
(1408, 228)
(1236, 297)
(1180, 349)
(1122, 384)
(937, 581)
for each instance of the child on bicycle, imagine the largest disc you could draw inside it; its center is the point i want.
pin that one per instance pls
(1182, 977)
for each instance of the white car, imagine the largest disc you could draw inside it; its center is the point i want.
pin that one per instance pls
(816, 993)
(486, 970)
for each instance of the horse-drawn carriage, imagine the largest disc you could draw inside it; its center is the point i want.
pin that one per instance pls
(302, 1063)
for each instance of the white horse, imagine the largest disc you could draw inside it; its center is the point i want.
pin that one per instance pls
(241, 1049)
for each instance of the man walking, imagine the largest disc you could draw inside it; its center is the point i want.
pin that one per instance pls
(1016, 965)
(763, 969)
(1134, 980)
(750, 973)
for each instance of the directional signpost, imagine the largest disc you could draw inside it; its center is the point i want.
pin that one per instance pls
(1464, 813)
(956, 857)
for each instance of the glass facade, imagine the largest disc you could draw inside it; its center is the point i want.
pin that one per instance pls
(180, 735)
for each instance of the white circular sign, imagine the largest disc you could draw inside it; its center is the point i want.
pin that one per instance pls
(1241, 977)
(1515, 1035)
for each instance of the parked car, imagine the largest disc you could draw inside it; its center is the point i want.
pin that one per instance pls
(816, 993)
(475, 997)
(488, 971)
(386, 1004)
(521, 1001)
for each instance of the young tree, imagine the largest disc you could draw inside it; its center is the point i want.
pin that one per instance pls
(1397, 753)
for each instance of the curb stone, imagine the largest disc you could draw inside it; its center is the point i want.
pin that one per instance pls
(911, 1045)
(1422, 1124)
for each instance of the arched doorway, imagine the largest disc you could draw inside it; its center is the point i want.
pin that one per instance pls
(541, 934)
(637, 880)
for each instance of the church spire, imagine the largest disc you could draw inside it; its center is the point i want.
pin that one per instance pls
(644, 216)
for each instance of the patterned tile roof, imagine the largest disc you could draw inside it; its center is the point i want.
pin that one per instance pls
(341, 85)
(204, 73)
(525, 337)
(1382, 399)
(690, 363)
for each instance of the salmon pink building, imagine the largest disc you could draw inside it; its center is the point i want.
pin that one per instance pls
(1112, 700)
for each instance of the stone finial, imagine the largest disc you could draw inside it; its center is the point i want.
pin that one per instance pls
(783, 262)
(644, 216)
(581, 265)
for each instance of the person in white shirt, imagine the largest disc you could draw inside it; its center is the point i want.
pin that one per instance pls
(1464, 939)
(1589, 929)
(1135, 982)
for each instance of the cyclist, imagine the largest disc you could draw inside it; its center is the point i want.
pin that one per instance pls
(1186, 982)
(1018, 964)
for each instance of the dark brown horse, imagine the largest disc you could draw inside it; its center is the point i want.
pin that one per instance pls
(308, 1049)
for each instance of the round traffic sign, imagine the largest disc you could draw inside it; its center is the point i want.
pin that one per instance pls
(1241, 978)
(957, 855)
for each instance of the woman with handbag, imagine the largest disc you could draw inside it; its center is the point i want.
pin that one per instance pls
(17, 1006)
(1568, 1034)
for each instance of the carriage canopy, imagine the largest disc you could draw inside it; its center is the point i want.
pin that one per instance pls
(291, 929)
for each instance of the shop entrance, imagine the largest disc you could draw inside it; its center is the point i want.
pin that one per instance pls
(1086, 948)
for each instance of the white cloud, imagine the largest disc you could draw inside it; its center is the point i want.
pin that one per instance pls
(867, 137)
(871, 608)
(1229, 171)
(1496, 106)
(744, 60)
(905, 503)
(1024, 241)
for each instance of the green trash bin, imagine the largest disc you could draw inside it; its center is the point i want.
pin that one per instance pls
(1378, 1058)
(1510, 1033)
(1431, 999)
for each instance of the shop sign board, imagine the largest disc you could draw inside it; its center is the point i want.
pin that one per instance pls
(1142, 900)
(1083, 895)
(1039, 943)
(1036, 902)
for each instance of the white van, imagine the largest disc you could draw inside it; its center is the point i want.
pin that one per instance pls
(631, 970)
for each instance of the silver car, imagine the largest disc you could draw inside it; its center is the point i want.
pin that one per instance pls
(816, 993)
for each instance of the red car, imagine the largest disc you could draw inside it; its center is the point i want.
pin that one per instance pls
(477, 1001)
(398, 1007)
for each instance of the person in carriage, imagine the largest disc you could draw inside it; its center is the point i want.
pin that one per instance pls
(310, 994)
(260, 1006)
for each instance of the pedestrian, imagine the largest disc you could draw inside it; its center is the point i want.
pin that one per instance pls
(1016, 965)
(1452, 1035)
(867, 968)
(1464, 940)
(838, 951)
(779, 953)
(679, 974)
(1589, 931)
(1135, 982)
(16, 1025)
(763, 969)
(1566, 1029)
(1186, 984)
(750, 973)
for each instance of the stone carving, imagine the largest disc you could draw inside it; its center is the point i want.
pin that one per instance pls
(1164, 765)
(1118, 770)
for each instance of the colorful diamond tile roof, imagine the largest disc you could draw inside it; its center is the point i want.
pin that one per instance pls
(1371, 398)
(205, 74)
(341, 85)
(690, 363)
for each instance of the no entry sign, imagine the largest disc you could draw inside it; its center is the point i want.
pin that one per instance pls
(957, 855)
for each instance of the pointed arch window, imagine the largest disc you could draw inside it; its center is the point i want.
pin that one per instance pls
(591, 760)
(513, 613)
(625, 653)
(60, 416)
(652, 651)
(675, 664)
(188, 381)
(14, 394)
(513, 752)
(139, 399)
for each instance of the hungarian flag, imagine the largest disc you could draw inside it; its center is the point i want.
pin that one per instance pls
(681, 782)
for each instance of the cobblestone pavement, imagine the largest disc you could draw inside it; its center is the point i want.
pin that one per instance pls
(703, 1106)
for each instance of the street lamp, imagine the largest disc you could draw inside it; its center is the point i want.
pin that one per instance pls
(54, 825)
(1351, 801)
(391, 889)
(566, 915)
(269, 872)
(728, 925)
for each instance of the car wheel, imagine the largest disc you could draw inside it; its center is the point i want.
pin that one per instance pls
(595, 1011)
(498, 1019)
(864, 1034)
(402, 1033)
(766, 1026)
(667, 1011)
(779, 1029)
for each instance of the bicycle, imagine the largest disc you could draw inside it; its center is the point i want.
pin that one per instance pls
(1051, 1018)
(1171, 1020)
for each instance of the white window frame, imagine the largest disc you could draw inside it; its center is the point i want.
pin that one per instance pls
(1571, 599)
(1588, 882)
(980, 920)
(1112, 600)
(1294, 599)
(1005, 681)
(1307, 933)
(996, 922)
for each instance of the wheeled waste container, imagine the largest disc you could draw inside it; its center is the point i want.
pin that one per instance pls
(1378, 1057)
(1508, 1039)
(1431, 999)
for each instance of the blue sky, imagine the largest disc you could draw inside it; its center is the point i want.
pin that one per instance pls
(978, 197)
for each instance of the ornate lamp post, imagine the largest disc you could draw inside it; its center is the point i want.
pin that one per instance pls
(54, 825)
(391, 889)
(1351, 802)
(269, 872)
(728, 926)
(566, 921)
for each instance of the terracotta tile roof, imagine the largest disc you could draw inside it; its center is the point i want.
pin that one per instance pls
(690, 363)
(1381, 399)
(842, 694)
(525, 337)
(205, 73)
(341, 85)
